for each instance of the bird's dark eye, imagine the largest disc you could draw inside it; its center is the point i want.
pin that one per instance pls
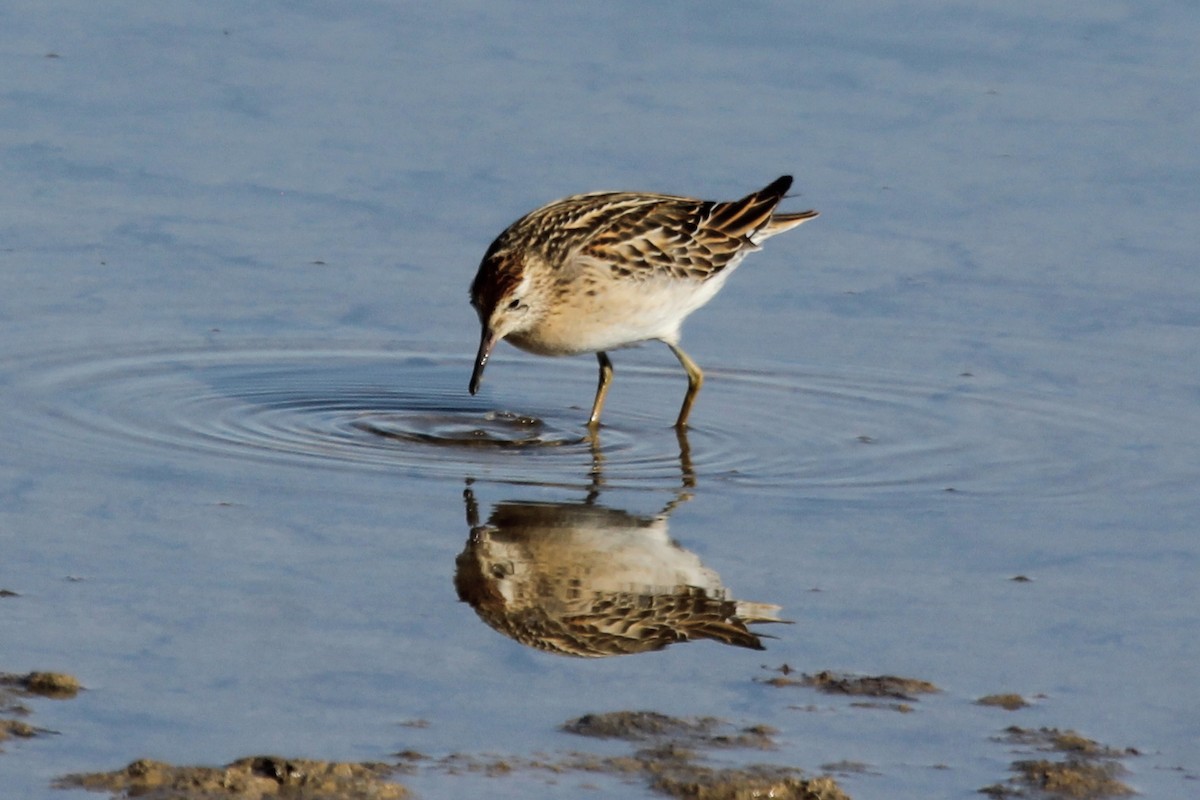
(515, 304)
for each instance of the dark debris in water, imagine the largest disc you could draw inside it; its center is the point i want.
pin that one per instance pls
(848, 768)
(670, 763)
(640, 726)
(1086, 769)
(672, 756)
(882, 686)
(667, 770)
(249, 778)
(55, 685)
(16, 729)
(1062, 779)
(671, 760)
(1068, 742)
(903, 708)
(705, 783)
(637, 725)
(14, 688)
(1009, 701)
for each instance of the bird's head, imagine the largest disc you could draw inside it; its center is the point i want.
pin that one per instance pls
(504, 298)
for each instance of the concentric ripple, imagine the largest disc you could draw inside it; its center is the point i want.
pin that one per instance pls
(844, 433)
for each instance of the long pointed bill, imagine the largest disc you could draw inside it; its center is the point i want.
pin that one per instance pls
(486, 342)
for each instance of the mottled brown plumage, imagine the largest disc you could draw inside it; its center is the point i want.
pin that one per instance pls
(595, 272)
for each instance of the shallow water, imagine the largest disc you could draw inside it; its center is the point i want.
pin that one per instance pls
(242, 471)
(402, 411)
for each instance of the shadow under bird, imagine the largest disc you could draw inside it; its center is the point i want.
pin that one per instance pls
(596, 272)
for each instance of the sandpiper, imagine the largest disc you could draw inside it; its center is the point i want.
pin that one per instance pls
(595, 272)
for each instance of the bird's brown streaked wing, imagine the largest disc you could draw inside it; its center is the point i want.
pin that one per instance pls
(640, 235)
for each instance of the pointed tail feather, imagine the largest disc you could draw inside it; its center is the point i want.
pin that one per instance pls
(753, 217)
(778, 223)
(740, 218)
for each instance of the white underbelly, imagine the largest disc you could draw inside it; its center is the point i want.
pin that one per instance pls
(630, 313)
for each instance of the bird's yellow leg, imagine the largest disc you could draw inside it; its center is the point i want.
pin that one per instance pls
(695, 381)
(606, 374)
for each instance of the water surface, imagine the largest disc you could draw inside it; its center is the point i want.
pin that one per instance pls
(240, 459)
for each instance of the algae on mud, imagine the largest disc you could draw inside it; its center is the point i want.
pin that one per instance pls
(251, 778)
(671, 762)
(14, 688)
(1087, 769)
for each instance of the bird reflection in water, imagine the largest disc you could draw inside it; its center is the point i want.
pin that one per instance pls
(582, 579)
